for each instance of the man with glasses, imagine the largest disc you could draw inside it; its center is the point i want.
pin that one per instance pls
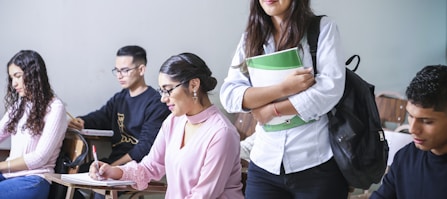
(135, 114)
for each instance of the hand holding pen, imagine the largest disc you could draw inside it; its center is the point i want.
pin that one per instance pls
(96, 163)
(101, 170)
(75, 123)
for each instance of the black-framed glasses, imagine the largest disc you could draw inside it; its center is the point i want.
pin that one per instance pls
(122, 72)
(167, 92)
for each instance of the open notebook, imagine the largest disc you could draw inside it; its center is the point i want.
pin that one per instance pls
(84, 179)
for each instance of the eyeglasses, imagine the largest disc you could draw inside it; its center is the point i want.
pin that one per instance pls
(167, 93)
(122, 72)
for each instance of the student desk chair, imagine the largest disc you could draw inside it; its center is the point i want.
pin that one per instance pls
(391, 107)
(110, 192)
(160, 187)
(245, 125)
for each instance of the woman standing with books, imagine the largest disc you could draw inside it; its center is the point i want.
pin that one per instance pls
(291, 156)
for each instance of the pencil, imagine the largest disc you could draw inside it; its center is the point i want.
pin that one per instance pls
(71, 116)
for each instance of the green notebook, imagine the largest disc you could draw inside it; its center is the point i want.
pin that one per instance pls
(281, 60)
(271, 69)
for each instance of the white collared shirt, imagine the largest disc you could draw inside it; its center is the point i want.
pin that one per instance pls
(304, 146)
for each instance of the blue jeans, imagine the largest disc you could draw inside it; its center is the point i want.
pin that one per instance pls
(323, 181)
(30, 187)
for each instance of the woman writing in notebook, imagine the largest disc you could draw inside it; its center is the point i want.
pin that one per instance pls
(291, 158)
(197, 146)
(36, 122)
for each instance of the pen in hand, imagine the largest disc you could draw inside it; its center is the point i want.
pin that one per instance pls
(72, 117)
(75, 123)
(95, 157)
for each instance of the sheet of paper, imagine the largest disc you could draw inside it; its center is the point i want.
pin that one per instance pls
(396, 140)
(84, 179)
(96, 132)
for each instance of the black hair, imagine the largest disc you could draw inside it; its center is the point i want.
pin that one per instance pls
(136, 52)
(428, 88)
(260, 26)
(187, 66)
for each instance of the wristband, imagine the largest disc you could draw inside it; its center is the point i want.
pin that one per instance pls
(276, 111)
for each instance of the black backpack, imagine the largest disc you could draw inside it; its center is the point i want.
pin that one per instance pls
(355, 132)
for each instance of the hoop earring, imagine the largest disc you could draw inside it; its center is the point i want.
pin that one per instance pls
(194, 97)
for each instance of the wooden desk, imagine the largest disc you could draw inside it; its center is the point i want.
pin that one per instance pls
(109, 192)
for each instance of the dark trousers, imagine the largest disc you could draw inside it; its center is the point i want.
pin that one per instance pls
(324, 181)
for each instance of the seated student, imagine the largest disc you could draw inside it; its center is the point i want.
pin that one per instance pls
(197, 147)
(134, 114)
(419, 170)
(36, 122)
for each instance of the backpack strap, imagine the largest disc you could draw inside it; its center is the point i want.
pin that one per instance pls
(80, 159)
(313, 31)
(350, 60)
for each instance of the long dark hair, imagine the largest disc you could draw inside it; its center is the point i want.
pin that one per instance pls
(37, 89)
(187, 66)
(260, 27)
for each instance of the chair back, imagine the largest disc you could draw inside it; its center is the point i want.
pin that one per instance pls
(391, 108)
(73, 152)
(245, 124)
(76, 149)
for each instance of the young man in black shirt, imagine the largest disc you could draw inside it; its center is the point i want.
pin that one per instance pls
(419, 170)
(135, 114)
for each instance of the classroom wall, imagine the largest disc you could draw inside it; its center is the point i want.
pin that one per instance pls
(395, 39)
(79, 38)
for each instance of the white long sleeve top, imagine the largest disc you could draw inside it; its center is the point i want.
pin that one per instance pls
(40, 151)
(304, 146)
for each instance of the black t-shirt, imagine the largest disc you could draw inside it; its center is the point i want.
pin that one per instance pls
(415, 174)
(135, 122)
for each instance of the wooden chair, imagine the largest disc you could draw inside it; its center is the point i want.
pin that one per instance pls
(391, 108)
(245, 125)
(73, 152)
(75, 148)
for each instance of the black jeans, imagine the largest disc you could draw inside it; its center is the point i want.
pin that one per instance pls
(320, 182)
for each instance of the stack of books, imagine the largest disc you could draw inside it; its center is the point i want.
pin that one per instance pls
(271, 69)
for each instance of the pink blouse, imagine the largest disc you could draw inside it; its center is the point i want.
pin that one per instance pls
(208, 166)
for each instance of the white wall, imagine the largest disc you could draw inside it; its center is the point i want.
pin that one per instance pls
(395, 39)
(79, 38)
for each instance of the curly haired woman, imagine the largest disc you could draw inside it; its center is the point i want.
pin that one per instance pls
(36, 122)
